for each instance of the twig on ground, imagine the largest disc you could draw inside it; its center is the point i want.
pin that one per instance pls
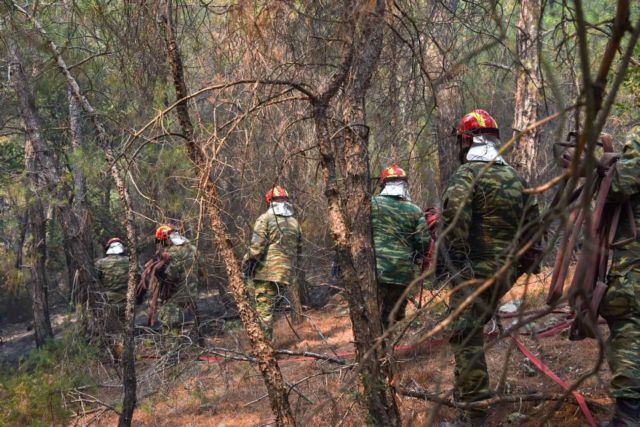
(485, 403)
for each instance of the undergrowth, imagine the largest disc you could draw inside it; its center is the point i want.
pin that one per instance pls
(35, 393)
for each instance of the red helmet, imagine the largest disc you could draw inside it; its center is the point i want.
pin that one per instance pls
(477, 122)
(162, 232)
(277, 192)
(113, 240)
(392, 173)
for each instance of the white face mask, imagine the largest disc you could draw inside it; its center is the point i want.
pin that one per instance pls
(484, 149)
(115, 248)
(282, 208)
(177, 239)
(397, 189)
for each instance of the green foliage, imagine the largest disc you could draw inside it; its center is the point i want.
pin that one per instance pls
(12, 279)
(34, 393)
(11, 156)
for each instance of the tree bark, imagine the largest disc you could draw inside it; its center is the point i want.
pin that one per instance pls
(128, 374)
(274, 382)
(527, 95)
(46, 175)
(39, 288)
(363, 293)
(37, 161)
(446, 90)
(23, 221)
(353, 238)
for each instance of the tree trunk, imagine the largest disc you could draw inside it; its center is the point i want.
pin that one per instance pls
(23, 220)
(36, 160)
(527, 96)
(353, 238)
(447, 93)
(129, 375)
(77, 221)
(448, 97)
(46, 176)
(362, 294)
(39, 286)
(296, 297)
(274, 382)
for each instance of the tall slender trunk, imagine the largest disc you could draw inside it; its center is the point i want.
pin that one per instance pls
(447, 92)
(262, 348)
(363, 294)
(46, 176)
(36, 160)
(129, 375)
(527, 94)
(23, 220)
(39, 286)
(350, 214)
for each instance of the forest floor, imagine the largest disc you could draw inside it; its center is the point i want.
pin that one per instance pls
(197, 387)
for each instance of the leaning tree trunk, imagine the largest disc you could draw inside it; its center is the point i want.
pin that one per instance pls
(527, 96)
(36, 159)
(47, 176)
(272, 376)
(129, 375)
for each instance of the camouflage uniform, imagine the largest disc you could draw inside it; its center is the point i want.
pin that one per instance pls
(493, 213)
(181, 275)
(276, 244)
(113, 272)
(400, 239)
(621, 305)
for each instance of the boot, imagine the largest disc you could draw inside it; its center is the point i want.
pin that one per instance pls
(627, 413)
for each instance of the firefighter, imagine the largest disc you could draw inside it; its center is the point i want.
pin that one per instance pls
(484, 211)
(113, 273)
(621, 304)
(176, 273)
(273, 259)
(401, 241)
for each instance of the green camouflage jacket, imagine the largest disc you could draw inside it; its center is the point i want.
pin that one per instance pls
(276, 243)
(400, 239)
(626, 187)
(182, 269)
(113, 272)
(494, 218)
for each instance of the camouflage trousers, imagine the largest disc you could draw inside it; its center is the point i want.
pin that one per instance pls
(268, 295)
(621, 308)
(389, 294)
(181, 307)
(467, 341)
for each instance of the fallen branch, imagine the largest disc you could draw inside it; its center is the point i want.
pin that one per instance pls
(336, 360)
(486, 403)
(238, 355)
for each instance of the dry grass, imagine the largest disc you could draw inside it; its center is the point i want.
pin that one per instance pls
(228, 393)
